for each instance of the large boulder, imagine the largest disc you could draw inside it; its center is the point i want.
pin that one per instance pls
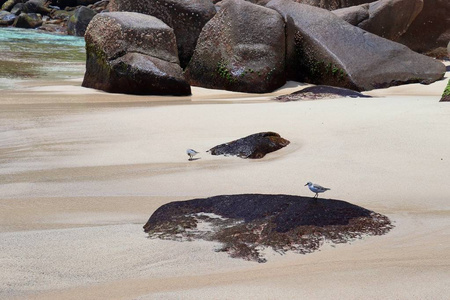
(253, 146)
(241, 49)
(186, 17)
(132, 53)
(382, 17)
(324, 49)
(79, 21)
(431, 28)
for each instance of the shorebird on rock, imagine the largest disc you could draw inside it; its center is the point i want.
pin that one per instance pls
(191, 153)
(315, 188)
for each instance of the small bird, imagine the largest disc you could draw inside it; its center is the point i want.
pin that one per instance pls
(191, 153)
(315, 188)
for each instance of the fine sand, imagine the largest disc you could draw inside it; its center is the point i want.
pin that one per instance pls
(82, 171)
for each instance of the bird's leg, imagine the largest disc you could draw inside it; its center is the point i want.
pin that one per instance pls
(316, 195)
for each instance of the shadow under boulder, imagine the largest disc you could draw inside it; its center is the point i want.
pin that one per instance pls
(246, 224)
(253, 146)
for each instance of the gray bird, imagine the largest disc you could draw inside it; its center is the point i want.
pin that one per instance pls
(315, 188)
(191, 153)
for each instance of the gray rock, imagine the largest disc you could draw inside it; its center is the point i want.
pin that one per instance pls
(324, 49)
(28, 21)
(354, 14)
(36, 6)
(6, 18)
(332, 4)
(391, 18)
(240, 49)
(186, 17)
(430, 29)
(132, 53)
(79, 21)
(253, 146)
(17, 9)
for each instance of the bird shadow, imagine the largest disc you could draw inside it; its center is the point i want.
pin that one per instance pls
(192, 159)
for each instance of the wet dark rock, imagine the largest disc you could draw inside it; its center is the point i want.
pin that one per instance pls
(36, 6)
(446, 94)
(253, 146)
(28, 21)
(132, 53)
(6, 18)
(79, 21)
(8, 5)
(324, 49)
(247, 223)
(17, 9)
(320, 92)
(186, 17)
(240, 49)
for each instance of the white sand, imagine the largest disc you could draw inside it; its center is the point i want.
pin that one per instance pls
(81, 172)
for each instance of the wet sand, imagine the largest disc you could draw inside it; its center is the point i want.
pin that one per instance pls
(81, 172)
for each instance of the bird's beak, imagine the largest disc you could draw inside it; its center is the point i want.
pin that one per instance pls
(305, 184)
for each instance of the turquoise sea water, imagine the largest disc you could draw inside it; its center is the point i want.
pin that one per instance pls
(30, 54)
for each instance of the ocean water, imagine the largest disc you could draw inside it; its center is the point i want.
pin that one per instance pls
(27, 54)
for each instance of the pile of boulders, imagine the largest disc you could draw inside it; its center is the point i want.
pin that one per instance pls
(248, 46)
(241, 46)
(59, 16)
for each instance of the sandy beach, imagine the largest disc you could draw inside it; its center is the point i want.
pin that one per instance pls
(82, 171)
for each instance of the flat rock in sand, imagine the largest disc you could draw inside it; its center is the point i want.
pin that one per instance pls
(245, 224)
(320, 92)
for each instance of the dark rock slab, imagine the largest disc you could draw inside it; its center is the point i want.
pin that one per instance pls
(253, 146)
(320, 92)
(240, 49)
(324, 49)
(246, 223)
(446, 94)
